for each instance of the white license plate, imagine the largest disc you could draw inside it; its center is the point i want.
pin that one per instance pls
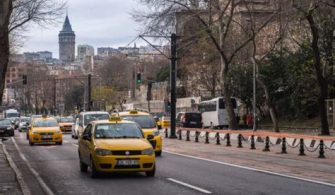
(128, 162)
(2, 131)
(46, 136)
(193, 123)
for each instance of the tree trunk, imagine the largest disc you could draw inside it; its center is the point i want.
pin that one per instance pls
(6, 5)
(322, 82)
(269, 104)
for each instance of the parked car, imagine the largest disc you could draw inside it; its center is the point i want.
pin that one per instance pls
(6, 128)
(189, 119)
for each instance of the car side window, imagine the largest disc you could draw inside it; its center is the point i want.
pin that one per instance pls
(88, 130)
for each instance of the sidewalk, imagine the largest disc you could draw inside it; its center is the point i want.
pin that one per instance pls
(308, 167)
(8, 181)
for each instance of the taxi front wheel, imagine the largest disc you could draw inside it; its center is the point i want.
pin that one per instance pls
(152, 172)
(83, 167)
(158, 153)
(31, 143)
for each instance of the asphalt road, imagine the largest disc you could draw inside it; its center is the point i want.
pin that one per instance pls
(57, 167)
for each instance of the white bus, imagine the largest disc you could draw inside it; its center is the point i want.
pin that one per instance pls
(214, 112)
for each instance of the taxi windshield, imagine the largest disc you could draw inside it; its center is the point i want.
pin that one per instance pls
(95, 117)
(121, 130)
(45, 123)
(145, 121)
(66, 120)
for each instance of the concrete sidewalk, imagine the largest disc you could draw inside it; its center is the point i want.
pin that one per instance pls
(8, 178)
(308, 167)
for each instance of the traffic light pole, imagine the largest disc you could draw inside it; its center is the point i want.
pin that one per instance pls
(173, 85)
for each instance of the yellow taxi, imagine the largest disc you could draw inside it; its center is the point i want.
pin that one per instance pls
(163, 122)
(115, 145)
(66, 123)
(148, 125)
(45, 129)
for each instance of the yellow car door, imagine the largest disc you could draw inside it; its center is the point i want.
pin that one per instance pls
(86, 144)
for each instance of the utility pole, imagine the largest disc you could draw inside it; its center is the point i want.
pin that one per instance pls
(254, 96)
(173, 84)
(89, 92)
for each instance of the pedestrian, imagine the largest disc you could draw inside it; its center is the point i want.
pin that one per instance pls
(250, 120)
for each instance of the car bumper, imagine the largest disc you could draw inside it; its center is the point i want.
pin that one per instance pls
(109, 163)
(36, 138)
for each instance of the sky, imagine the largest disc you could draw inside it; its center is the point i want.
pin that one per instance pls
(100, 23)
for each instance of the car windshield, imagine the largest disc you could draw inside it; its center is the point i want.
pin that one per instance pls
(9, 115)
(24, 119)
(5, 122)
(121, 130)
(45, 123)
(66, 120)
(145, 121)
(95, 117)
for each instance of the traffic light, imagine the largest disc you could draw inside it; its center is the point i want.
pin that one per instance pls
(138, 78)
(24, 79)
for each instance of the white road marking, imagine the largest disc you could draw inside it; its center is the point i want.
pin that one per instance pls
(254, 169)
(76, 145)
(44, 186)
(189, 186)
(22, 183)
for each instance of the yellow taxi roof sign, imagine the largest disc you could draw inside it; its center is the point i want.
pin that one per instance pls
(115, 118)
(133, 112)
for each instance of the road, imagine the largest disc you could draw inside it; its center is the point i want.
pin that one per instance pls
(57, 169)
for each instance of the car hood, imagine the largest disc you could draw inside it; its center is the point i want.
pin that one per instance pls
(45, 129)
(122, 144)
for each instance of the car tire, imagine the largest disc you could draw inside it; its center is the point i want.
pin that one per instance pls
(151, 173)
(31, 143)
(158, 153)
(59, 143)
(93, 173)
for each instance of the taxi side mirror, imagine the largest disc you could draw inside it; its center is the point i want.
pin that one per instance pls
(150, 137)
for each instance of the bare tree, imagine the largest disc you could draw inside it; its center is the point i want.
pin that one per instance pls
(222, 24)
(319, 19)
(15, 15)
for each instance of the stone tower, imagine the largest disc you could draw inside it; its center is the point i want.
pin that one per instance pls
(67, 42)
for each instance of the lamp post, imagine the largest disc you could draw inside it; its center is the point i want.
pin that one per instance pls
(254, 127)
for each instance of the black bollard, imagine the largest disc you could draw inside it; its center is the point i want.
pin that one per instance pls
(239, 140)
(207, 137)
(252, 145)
(179, 133)
(267, 144)
(218, 138)
(322, 151)
(302, 148)
(228, 140)
(187, 135)
(196, 136)
(166, 133)
(283, 146)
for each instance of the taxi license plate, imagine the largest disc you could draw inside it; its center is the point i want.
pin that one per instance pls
(46, 136)
(127, 162)
(193, 123)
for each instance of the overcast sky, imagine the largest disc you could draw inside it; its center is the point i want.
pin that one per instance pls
(95, 22)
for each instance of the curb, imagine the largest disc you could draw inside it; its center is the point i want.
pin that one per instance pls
(23, 186)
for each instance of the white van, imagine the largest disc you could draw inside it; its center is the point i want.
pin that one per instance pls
(85, 118)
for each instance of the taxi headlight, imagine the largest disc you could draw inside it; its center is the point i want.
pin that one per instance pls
(58, 131)
(103, 152)
(155, 133)
(148, 151)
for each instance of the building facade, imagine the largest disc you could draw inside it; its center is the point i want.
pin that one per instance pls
(83, 51)
(67, 42)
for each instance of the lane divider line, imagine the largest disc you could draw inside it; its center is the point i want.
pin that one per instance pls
(189, 186)
(254, 169)
(23, 185)
(76, 145)
(44, 186)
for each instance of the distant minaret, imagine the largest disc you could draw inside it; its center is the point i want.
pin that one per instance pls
(67, 42)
